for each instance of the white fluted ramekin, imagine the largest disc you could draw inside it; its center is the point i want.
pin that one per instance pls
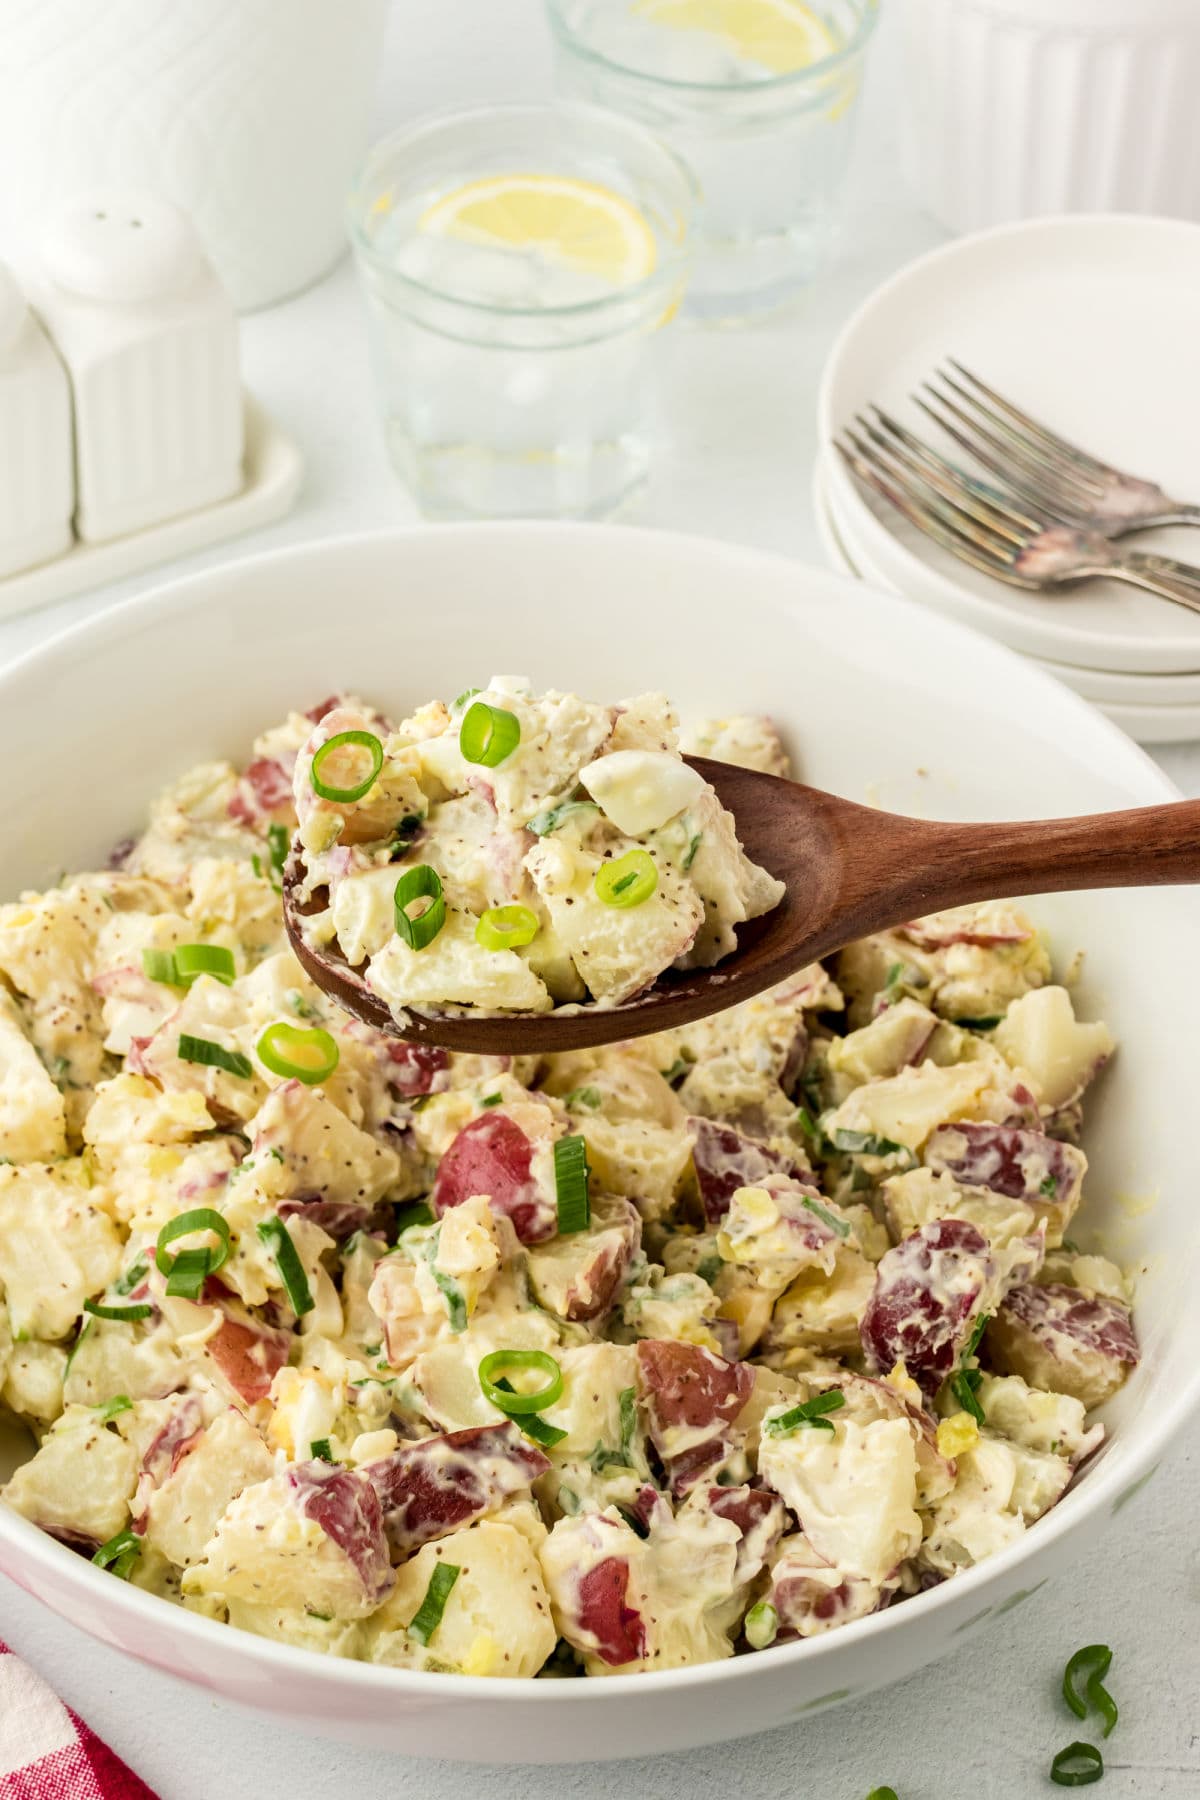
(1017, 108)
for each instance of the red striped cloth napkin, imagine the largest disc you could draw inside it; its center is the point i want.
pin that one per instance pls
(46, 1753)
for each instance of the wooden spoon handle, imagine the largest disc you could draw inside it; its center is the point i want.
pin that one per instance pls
(950, 865)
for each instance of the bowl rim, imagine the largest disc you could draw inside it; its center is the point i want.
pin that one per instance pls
(1141, 1446)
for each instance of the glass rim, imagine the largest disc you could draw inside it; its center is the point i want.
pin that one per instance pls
(770, 84)
(667, 268)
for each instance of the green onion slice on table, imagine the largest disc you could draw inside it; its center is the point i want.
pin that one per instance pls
(1086, 1670)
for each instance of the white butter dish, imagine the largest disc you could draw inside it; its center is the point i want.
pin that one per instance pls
(149, 339)
(268, 484)
(37, 475)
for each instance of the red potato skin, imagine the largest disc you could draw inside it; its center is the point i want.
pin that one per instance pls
(925, 1301)
(414, 1069)
(248, 1356)
(682, 1384)
(264, 794)
(1009, 1161)
(800, 1601)
(163, 1455)
(591, 1295)
(1064, 1322)
(439, 1484)
(725, 1160)
(347, 1509)
(927, 936)
(492, 1155)
(604, 1612)
(759, 1515)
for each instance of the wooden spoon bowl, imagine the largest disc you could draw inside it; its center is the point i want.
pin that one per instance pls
(849, 871)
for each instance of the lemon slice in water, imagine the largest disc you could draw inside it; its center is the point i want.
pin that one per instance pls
(579, 223)
(779, 35)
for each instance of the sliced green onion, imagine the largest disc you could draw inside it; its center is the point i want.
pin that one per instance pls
(964, 1384)
(839, 1227)
(541, 1432)
(678, 1071)
(428, 1615)
(689, 855)
(709, 1268)
(320, 1449)
(590, 1097)
(187, 1272)
(988, 1024)
(365, 740)
(456, 1304)
(506, 928)
(866, 1143)
(1077, 1766)
(159, 965)
(299, 1054)
(275, 1235)
(808, 1413)
(134, 1275)
(976, 1338)
(627, 1401)
(761, 1625)
(491, 1100)
(192, 960)
(214, 1056)
(571, 1174)
(416, 884)
(119, 1554)
(118, 1404)
(629, 881)
(279, 843)
(1087, 1668)
(467, 694)
(510, 1402)
(809, 1126)
(1049, 1187)
(73, 1352)
(408, 1216)
(127, 1314)
(488, 734)
(543, 823)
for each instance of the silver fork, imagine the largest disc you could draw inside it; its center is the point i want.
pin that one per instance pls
(991, 529)
(1038, 466)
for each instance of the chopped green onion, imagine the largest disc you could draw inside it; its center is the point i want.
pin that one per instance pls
(214, 1056)
(540, 1431)
(365, 740)
(320, 1449)
(689, 855)
(976, 1338)
(590, 1097)
(809, 1126)
(761, 1626)
(1077, 1766)
(192, 960)
(710, 1268)
(506, 928)
(488, 734)
(629, 881)
(988, 1024)
(408, 1216)
(452, 1294)
(571, 1174)
(884, 1793)
(1088, 1667)
(678, 1070)
(866, 1143)
(298, 1054)
(187, 1272)
(510, 1402)
(118, 1404)
(159, 965)
(73, 1352)
(627, 1402)
(279, 842)
(421, 883)
(839, 1227)
(134, 1275)
(119, 1554)
(1049, 1187)
(275, 1235)
(964, 1384)
(491, 1100)
(428, 1615)
(127, 1314)
(543, 823)
(467, 694)
(808, 1413)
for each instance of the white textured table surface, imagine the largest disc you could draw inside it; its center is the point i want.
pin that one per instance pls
(741, 410)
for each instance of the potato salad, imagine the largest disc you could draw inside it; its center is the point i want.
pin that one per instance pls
(513, 851)
(603, 1362)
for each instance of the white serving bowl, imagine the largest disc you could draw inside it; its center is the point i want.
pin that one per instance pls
(879, 700)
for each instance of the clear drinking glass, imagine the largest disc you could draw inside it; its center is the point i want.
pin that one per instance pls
(759, 98)
(518, 262)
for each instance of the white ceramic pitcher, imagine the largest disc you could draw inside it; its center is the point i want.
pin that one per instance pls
(249, 114)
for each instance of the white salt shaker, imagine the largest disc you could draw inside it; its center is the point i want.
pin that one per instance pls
(37, 476)
(149, 339)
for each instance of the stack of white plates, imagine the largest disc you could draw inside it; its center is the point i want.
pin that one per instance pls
(1091, 325)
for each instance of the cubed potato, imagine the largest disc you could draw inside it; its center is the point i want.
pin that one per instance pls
(855, 1488)
(81, 1480)
(1041, 1035)
(185, 1510)
(496, 1619)
(57, 1247)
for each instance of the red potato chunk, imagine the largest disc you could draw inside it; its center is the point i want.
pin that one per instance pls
(414, 1069)
(616, 1628)
(439, 1484)
(691, 1399)
(929, 1290)
(726, 1160)
(811, 1596)
(759, 1515)
(247, 1354)
(1021, 1165)
(348, 1510)
(263, 794)
(988, 927)
(1064, 1340)
(578, 1276)
(165, 1452)
(493, 1156)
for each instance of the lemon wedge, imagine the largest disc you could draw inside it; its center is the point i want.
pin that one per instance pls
(579, 223)
(779, 35)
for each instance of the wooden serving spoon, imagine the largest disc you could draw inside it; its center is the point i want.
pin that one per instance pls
(849, 871)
